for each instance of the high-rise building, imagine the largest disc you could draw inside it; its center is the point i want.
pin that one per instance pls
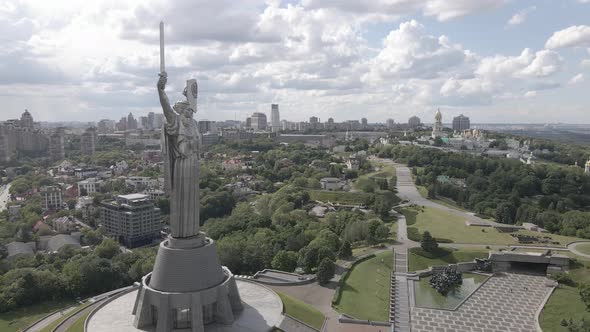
(122, 124)
(56, 145)
(88, 142)
(143, 122)
(258, 121)
(206, 126)
(158, 121)
(461, 123)
(390, 123)
(131, 122)
(314, 122)
(133, 219)
(414, 122)
(151, 120)
(275, 119)
(26, 120)
(330, 124)
(587, 167)
(364, 122)
(52, 198)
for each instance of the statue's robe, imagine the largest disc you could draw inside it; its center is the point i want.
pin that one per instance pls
(180, 148)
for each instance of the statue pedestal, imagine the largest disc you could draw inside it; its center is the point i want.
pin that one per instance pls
(188, 288)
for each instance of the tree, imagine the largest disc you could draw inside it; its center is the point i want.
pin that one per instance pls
(382, 205)
(428, 243)
(163, 205)
(91, 237)
(345, 251)
(309, 258)
(585, 294)
(505, 213)
(285, 261)
(326, 271)
(108, 248)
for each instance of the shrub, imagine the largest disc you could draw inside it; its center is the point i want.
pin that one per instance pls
(414, 234)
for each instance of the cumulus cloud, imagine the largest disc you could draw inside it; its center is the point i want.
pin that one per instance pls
(387, 9)
(409, 52)
(574, 36)
(315, 56)
(521, 16)
(579, 78)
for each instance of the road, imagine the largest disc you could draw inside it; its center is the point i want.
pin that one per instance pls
(572, 248)
(4, 196)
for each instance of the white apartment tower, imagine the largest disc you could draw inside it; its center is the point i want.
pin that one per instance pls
(275, 119)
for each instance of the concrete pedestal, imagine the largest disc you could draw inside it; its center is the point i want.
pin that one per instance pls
(187, 289)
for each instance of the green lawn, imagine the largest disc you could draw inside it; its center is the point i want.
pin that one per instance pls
(18, 319)
(447, 225)
(342, 197)
(302, 311)
(365, 291)
(565, 302)
(584, 248)
(421, 260)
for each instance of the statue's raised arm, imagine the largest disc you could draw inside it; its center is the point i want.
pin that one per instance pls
(168, 112)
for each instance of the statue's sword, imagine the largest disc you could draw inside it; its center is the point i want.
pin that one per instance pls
(162, 64)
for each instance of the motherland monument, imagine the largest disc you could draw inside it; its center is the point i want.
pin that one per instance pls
(188, 287)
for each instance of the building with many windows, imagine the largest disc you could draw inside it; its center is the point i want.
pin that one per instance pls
(275, 119)
(52, 198)
(89, 186)
(461, 123)
(132, 219)
(258, 121)
(88, 142)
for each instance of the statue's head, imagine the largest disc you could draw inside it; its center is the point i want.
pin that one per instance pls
(183, 108)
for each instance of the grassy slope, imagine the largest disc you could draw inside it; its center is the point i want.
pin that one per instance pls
(365, 293)
(447, 225)
(421, 260)
(302, 311)
(566, 302)
(341, 197)
(444, 224)
(584, 248)
(17, 320)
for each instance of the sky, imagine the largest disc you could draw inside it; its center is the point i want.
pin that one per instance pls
(497, 61)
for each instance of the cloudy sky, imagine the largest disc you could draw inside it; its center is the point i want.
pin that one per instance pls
(494, 60)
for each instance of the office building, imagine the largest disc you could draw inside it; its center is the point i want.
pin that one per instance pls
(275, 119)
(258, 121)
(132, 219)
(88, 142)
(56, 145)
(461, 123)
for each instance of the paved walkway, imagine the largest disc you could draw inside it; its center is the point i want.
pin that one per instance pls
(504, 303)
(399, 305)
(40, 325)
(292, 325)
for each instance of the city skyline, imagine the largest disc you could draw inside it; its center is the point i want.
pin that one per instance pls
(314, 58)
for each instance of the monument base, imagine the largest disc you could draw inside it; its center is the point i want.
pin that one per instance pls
(168, 311)
(187, 289)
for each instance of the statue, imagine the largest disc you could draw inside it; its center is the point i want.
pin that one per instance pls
(180, 147)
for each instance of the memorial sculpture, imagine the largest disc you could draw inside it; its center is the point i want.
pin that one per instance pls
(188, 287)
